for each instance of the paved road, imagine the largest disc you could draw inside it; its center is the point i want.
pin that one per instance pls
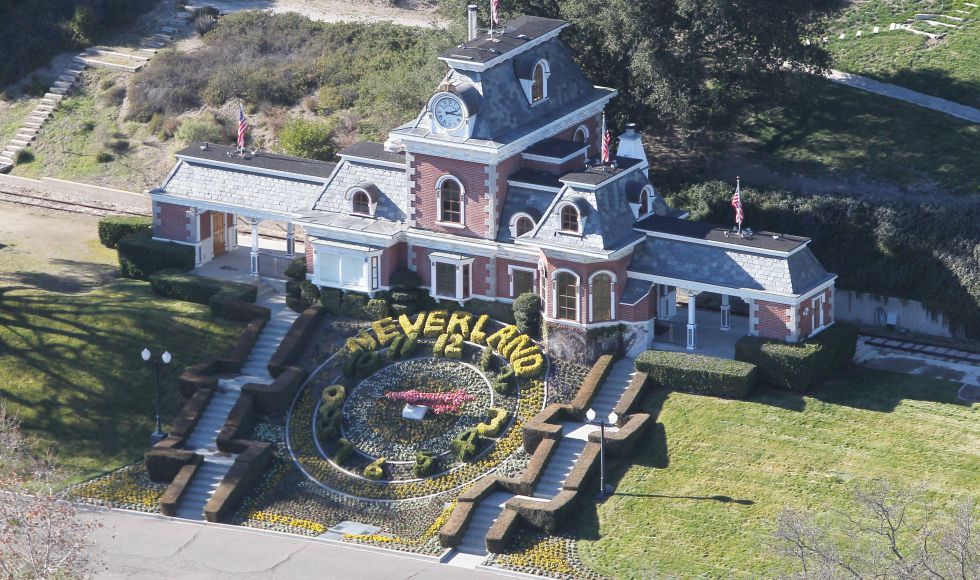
(135, 546)
(907, 95)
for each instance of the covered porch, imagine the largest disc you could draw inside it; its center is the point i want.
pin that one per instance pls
(710, 337)
(244, 263)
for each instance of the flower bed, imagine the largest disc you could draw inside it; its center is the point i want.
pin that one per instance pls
(127, 488)
(533, 552)
(564, 381)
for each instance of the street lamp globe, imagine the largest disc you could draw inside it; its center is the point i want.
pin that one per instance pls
(166, 357)
(613, 418)
(145, 354)
(590, 414)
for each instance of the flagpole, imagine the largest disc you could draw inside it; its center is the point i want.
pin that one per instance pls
(738, 190)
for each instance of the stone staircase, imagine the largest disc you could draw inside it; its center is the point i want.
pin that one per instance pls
(475, 540)
(203, 439)
(613, 388)
(561, 462)
(96, 57)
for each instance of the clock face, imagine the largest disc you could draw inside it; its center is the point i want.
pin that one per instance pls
(448, 112)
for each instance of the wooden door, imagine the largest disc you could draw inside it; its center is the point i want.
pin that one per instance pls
(218, 232)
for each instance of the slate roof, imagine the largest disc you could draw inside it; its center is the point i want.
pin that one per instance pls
(555, 148)
(241, 188)
(635, 290)
(715, 233)
(729, 268)
(391, 182)
(520, 199)
(371, 150)
(511, 36)
(535, 177)
(352, 223)
(260, 160)
(597, 175)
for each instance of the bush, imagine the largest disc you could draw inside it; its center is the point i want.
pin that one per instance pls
(328, 423)
(343, 451)
(527, 314)
(411, 343)
(375, 470)
(312, 139)
(376, 309)
(505, 381)
(293, 289)
(425, 464)
(465, 444)
(140, 256)
(404, 279)
(498, 418)
(296, 270)
(394, 351)
(486, 360)
(367, 364)
(797, 367)
(103, 157)
(203, 23)
(331, 299)
(354, 304)
(309, 292)
(113, 228)
(439, 348)
(205, 127)
(333, 396)
(297, 304)
(198, 289)
(695, 373)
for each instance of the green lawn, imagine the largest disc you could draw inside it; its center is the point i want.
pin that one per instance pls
(70, 366)
(13, 113)
(843, 132)
(947, 68)
(701, 496)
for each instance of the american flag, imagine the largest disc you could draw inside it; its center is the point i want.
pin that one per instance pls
(242, 125)
(495, 11)
(737, 203)
(606, 142)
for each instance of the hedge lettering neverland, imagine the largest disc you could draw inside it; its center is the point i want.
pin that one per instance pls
(450, 331)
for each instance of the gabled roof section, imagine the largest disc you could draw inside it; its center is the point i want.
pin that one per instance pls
(389, 182)
(259, 162)
(508, 41)
(519, 199)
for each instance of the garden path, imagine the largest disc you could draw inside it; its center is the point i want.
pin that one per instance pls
(472, 549)
(204, 437)
(903, 94)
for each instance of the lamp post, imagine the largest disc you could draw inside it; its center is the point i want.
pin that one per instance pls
(157, 367)
(604, 491)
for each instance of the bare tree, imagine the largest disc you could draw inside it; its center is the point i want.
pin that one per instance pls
(890, 532)
(40, 535)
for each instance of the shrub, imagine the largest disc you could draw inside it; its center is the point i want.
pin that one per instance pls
(205, 127)
(331, 299)
(103, 157)
(454, 347)
(203, 23)
(296, 269)
(328, 423)
(140, 256)
(24, 156)
(529, 367)
(113, 228)
(486, 359)
(376, 309)
(439, 348)
(527, 314)
(394, 351)
(297, 304)
(505, 381)
(343, 451)
(367, 364)
(354, 304)
(312, 139)
(83, 26)
(350, 365)
(797, 367)
(498, 418)
(333, 396)
(465, 444)
(411, 343)
(198, 289)
(695, 373)
(404, 279)
(309, 292)
(293, 289)
(425, 464)
(375, 470)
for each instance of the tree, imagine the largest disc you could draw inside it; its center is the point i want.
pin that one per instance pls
(885, 535)
(40, 535)
(527, 313)
(688, 63)
(312, 139)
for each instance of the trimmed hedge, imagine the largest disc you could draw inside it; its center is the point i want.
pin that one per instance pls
(425, 464)
(140, 256)
(190, 288)
(693, 373)
(497, 419)
(375, 470)
(527, 314)
(113, 228)
(797, 367)
(465, 444)
(343, 451)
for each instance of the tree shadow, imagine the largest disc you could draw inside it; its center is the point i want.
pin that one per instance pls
(72, 276)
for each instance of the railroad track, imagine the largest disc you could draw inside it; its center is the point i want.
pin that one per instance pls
(944, 353)
(18, 198)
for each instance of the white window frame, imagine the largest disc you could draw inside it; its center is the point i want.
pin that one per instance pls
(510, 274)
(817, 305)
(578, 212)
(372, 205)
(554, 295)
(368, 256)
(462, 202)
(612, 294)
(647, 208)
(515, 218)
(458, 262)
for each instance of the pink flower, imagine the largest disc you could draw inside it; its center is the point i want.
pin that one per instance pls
(440, 403)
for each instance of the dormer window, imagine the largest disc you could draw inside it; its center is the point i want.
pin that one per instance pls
(450, 200)
(363, 199)
(360, 203)
(646, 201)
(570, 219)
(581, 134)
(533, 75)
(539, 82)
(521, 224)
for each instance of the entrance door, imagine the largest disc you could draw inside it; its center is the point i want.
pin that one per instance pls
(218, 232)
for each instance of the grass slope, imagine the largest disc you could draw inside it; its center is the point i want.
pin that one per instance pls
(70, 367)
(702, 495)
(947, 68)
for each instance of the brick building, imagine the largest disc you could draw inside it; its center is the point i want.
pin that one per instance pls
(494, 190)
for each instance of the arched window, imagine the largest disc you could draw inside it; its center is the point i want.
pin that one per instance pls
(360, 203)
(581, 134)
(539, 82)
(601, 298)
(450, 201)
(569, 219)
(523, 225)
(566, 296)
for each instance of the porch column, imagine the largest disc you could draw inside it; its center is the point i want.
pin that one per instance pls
(254, 223)
(692, 326)
(290, 240)
(726, 314)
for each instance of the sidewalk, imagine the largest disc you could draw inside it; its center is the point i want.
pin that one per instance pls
(896, 92)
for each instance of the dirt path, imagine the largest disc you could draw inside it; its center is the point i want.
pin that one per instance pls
(408, 13)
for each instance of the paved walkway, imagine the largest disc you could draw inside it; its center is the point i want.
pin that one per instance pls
(140, 546)
(927, 361)
(907, 95)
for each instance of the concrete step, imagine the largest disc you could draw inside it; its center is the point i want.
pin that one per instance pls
(62, 84)
(168, 30)
(54, 96)
(20, 142)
